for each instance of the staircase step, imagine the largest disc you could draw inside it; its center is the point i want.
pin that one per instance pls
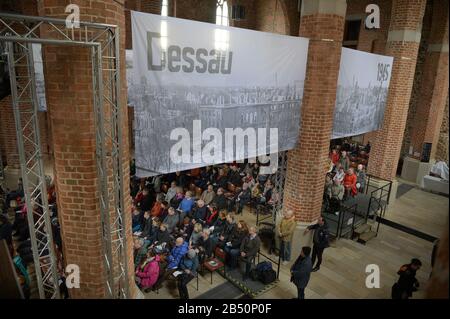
(362, 229)
(365, 237)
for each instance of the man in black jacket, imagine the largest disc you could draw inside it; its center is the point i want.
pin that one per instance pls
(407, 283)
(200, 212)
(249, 249)
(228, 230)
(320, 241)
(234, 176)
(220, 200)
(243, 198)
(301, 271)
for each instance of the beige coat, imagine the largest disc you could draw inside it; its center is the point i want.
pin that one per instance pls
(286, 229)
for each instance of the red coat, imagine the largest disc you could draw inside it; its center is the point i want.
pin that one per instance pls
(156, 209)
(350, 182)
(334, 158)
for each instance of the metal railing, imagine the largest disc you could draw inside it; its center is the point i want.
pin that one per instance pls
(276, 262)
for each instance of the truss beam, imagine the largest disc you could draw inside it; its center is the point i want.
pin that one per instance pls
(19, 32)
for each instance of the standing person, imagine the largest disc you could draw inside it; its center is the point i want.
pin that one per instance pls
(407, 283)
(301, 271)
(188, 265)
(345, 161)
(285, 231)
(350, 183)
(249, 249)
(360, 178)
(334, 156)
(320, 241)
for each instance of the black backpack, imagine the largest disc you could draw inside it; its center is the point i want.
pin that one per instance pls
(268, 276)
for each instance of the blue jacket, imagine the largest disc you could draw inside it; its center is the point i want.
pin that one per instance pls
(177, 254)
(191, 264)
(186, 205)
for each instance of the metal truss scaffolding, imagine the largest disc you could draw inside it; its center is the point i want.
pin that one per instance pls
(279, 179)
(19, 32)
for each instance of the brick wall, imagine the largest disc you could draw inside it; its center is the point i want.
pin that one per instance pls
(8, 141)
(271, 16)
(430, 106)
(371, 40)
(304, 184)
(442, 147)
(406, 15)
(426, 27)
(250, 14)
(69, 95)
(198, 10)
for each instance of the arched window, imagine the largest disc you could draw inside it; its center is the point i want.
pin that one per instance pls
(165, 8)
(222, 13)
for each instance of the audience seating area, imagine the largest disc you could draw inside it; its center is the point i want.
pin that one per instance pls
(188, 224)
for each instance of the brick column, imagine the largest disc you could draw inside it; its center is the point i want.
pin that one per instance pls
(403, 44)
(69, 96)
(322, 21)
(8, 140)
(434, 86)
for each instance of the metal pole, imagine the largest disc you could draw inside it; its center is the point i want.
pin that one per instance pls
(41, 172)
(27, 132)
(122, 184)
(102, 169)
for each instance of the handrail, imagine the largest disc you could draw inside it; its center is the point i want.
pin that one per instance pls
(258, 220)
(352, 210)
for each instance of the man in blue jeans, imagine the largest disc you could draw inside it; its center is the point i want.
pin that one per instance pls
(286, 230)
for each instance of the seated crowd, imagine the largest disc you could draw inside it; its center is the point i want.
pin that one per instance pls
(15, 231)
(345, 177)
(180, 220)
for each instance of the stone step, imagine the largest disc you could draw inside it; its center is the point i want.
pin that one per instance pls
(365, 237)
(362, 229)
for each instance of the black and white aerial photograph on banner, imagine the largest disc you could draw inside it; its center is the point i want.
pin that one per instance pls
(362, 90)
(214, 77)
(39, 76)
(214, 158)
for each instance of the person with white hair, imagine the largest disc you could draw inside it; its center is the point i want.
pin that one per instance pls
(286, 230)
(188, 265)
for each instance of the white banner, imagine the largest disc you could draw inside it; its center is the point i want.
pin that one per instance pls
(39, 76)
(192, 83)
(361, 92)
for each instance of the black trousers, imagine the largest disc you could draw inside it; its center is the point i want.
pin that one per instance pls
(300, 293)
(317, 252)
(183, 280)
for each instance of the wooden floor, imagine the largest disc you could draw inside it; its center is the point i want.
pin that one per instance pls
(420, 210)
(342, 274)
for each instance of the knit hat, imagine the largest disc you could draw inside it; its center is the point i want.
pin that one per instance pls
(191, 253)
